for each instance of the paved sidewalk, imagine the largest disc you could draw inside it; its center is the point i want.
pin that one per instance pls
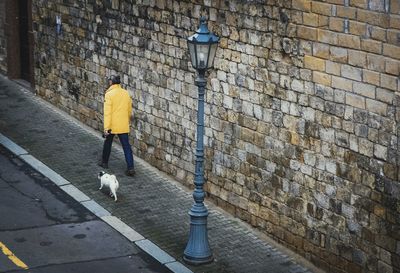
(151, 203)
(47, 231)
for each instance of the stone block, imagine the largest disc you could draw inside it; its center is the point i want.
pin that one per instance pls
(366, 90)
(366, 147)
(341, 83)
(290, 122)
(336, 24)
(375, 62)
(332, 68)
(248, 22)
(310, 19)
(228, 102)
(308, 114)
(321, 8)
(351, 72)
(372, 46)
(338, 54)
(326, 36)
(391, 51)
(377, 33)
(348, 210)
(309, 88)
(323, 20)
(247, 134)
(317, 103)
(380, 151)
(297, 85)
(389, 82)
(309, 159)
(327, 134)
(342, 139)
(233, 67)
(311, 129)
(346, 12)
(268, 215)
(236, 57)
(357, 58)
(303, 5)
(357, 28)
(395, 20)
(339, 96)
(254, 208)
(321, 50)
(322, 78)
(295, 138)
(355, 100)
(373, 18)
(392, 67)
(349, 41)
(253, 61)
(385, 95)
(285, 107)
(348, 113)
(377, 107)
(373, 135)
(377, 6)
(254, 38)
(307, 33)
(353, 143)
(393, 37)
(295, 203)
(348, 126)
(371, 77)
(384, 268)
(322, 200)
(395, 260)
(261, 23)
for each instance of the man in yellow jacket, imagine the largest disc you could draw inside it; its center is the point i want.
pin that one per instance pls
(117, 116)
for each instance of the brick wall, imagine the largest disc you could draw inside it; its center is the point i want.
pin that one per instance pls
(3, 46)
(302, 116)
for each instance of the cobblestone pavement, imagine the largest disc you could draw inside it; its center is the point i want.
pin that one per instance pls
(151, 202)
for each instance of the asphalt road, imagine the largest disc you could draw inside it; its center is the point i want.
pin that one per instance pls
(42, 229)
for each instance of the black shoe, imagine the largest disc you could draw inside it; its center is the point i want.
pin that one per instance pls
(130, 172)
(103, 164)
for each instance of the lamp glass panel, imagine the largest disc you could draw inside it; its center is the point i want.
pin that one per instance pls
(202, 55)
(213, 50)
(192, 51)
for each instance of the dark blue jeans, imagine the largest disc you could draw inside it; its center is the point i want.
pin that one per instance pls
(124, 139)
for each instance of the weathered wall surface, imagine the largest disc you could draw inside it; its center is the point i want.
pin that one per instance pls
(3, 45)
(302, 116)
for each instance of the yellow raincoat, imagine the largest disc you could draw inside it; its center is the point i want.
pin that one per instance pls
(117, 110)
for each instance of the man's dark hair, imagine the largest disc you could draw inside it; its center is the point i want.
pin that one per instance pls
(115, 79)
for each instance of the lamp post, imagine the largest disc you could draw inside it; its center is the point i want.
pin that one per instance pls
(202, 48)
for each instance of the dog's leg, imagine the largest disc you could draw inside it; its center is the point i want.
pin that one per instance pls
(114, 194)
(101, 186)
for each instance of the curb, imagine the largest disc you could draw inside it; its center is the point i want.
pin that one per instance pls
(133, 236)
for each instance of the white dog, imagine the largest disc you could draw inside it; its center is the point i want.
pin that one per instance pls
(110, 181)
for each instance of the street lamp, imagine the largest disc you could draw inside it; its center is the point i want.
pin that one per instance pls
(202, 47)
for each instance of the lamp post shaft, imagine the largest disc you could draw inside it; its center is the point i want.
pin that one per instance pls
(199, 168)
(198, 250)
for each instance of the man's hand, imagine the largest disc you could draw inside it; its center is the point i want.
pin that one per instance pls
(106, 133)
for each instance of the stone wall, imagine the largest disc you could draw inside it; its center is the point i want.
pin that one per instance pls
(302, 116)
(3, 45)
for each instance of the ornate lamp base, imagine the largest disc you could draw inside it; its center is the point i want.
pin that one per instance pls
(197, 249)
